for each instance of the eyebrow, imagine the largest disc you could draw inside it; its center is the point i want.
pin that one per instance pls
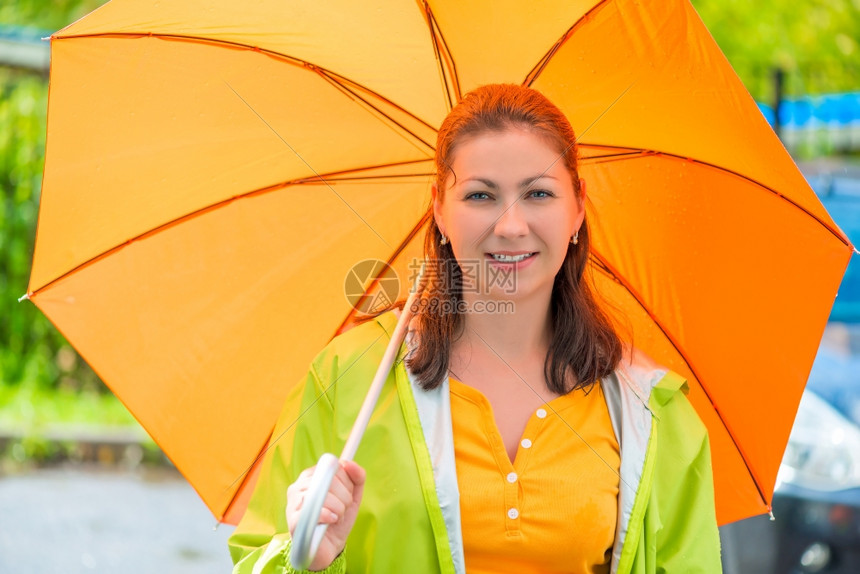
(524, 183)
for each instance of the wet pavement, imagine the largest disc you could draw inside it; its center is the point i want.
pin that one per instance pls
(88, 520)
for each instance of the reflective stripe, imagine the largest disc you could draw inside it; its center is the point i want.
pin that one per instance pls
(430, 412)
(442, 501)
(627, 393)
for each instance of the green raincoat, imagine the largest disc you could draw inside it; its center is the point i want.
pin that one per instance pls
(409, 519)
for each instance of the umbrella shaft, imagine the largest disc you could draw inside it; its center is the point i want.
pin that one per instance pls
(363, 418)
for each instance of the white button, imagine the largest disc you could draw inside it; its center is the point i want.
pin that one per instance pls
(541, 413)
(513, 513)
(526, 443)
(512, 477)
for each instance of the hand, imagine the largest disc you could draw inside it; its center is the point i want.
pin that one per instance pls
(339, 510)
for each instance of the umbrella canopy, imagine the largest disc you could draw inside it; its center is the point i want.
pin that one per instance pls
(215, 169)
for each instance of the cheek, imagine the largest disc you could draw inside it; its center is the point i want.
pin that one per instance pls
(557, 235)
(465, 229)
(560, 227)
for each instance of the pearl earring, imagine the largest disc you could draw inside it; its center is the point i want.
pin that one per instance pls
(575, 238)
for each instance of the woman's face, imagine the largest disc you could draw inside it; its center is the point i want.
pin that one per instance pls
(510, 214)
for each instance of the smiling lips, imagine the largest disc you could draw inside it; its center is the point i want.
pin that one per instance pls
(512, 257)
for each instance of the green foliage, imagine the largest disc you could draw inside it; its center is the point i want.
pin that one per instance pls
(30, 407)
(31, 349)
(46, 14)
(816, 42)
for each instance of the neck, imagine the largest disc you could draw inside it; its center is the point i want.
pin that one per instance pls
(514, 334)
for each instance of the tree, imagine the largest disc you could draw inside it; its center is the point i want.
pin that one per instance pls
(816, 42)
(31, 349)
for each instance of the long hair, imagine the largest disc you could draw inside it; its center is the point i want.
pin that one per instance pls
(585, 345)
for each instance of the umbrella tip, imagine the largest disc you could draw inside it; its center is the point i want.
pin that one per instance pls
(214, 528)
(24, 297)
(770, 513)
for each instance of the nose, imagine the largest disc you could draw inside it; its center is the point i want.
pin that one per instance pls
(512, 223)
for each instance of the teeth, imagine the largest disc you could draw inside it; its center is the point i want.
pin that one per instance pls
(510, 258)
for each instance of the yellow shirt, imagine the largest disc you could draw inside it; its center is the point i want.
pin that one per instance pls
(555, 508)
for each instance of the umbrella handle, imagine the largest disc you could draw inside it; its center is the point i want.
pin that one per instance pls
(308, 533)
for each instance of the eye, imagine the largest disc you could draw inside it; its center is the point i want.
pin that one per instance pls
(540, 193)
(478, 195)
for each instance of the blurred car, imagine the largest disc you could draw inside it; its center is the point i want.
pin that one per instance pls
(816, 504)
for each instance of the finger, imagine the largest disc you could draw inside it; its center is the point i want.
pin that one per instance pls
(342, 486)
(328, 516)
(335, 504)
(358, 476)
(349, 478)
(355, 472)
(332, 510)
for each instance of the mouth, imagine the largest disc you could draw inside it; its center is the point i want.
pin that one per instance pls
(512, 257)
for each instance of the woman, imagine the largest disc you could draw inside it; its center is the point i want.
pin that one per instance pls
(514, 436)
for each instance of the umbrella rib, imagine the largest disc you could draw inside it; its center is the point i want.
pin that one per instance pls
(536, 71)
(332, 174)
(642, 153)
(438, 58)
(455, 77)
(208, 208)
(265, 51)
(270, 443)
(443, 57)
(350, 93)
(604, 158)
(310, 167)
(604, 266)
(542, 63)
(409, 236)
(369, 177)
(346, 321)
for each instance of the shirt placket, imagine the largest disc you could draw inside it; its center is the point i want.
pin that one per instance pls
(513, 492)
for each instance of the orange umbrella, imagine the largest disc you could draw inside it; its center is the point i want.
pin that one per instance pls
(214, 170)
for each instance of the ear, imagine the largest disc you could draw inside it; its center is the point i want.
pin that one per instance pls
(582, 192)
(437, 208)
